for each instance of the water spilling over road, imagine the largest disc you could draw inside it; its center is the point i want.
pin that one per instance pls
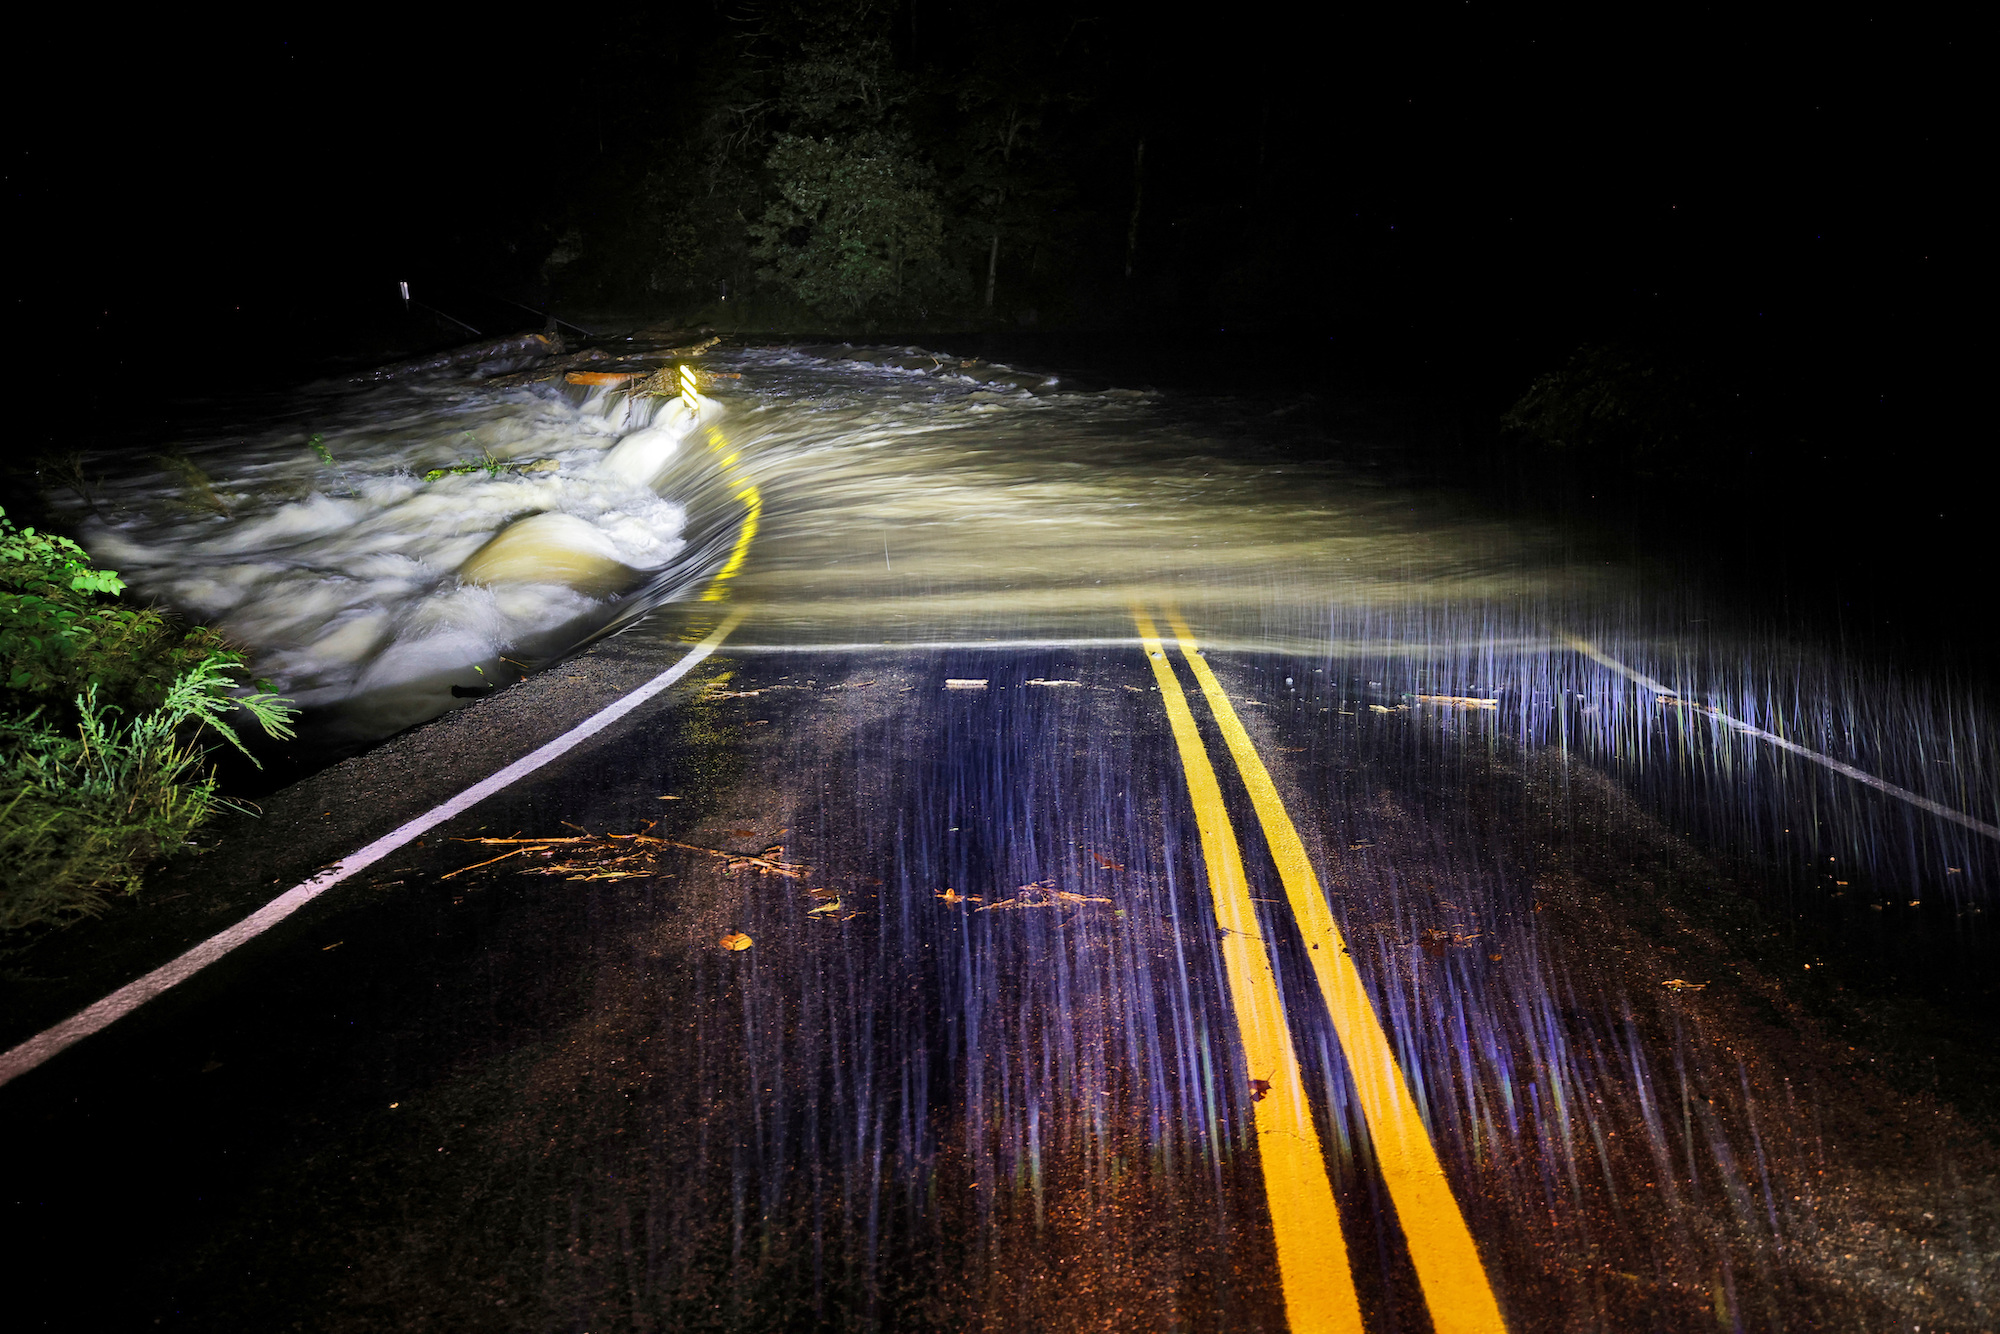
(366, 590)
(377, 547)
(390, 551)
(1093, 785)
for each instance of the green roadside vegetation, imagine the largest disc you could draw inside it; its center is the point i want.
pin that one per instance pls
(105, 714)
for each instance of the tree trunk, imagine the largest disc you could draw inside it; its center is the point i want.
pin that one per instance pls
(992, 268)
(1138, 198)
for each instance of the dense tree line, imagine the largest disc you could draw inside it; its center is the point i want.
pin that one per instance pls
(882, 161)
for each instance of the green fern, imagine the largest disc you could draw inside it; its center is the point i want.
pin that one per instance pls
(82, 815)
(102, 711)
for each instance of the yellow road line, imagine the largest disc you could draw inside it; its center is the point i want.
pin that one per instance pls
(753, 510)
(1312, 1255)
(1455, 1285)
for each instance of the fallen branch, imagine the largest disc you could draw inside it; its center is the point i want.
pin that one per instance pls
(1041, 894)
(736, 861)
(620, 856)
(501, 858)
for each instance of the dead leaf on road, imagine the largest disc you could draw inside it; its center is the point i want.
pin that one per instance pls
(736, 940)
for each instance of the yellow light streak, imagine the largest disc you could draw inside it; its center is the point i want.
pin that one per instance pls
(753, 509)
(1312, 1253)
(1454, 1281)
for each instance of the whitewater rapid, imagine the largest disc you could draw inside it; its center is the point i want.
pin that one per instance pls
(389, 548)
(366, 590)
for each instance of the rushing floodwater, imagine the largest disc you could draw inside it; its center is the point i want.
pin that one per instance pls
(901, 497)
(1018, 1065)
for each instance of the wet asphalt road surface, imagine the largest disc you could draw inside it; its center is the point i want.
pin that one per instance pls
(984, 1063)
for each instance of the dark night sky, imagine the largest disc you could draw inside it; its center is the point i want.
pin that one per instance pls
(1471, 178)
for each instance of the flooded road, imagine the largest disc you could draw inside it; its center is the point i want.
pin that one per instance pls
(1107, 865)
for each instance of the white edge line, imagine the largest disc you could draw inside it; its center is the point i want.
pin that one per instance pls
(1590, 651)
(1668, 693)
(1915, 799)
(132, 995)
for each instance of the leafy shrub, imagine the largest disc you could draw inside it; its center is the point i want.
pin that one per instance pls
(1620, 404)
(62, 633)
(86, 813)
(856, 226)
(87, 798)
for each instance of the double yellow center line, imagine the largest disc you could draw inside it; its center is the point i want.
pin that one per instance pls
(1312, 1255)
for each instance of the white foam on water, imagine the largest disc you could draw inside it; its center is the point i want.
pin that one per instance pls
(362, 589)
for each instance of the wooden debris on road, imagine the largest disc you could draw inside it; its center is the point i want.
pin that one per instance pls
(736, 861)
(1041, 894)
(476, 865)
(603, 377)
(588, 856)
(1435, 940)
